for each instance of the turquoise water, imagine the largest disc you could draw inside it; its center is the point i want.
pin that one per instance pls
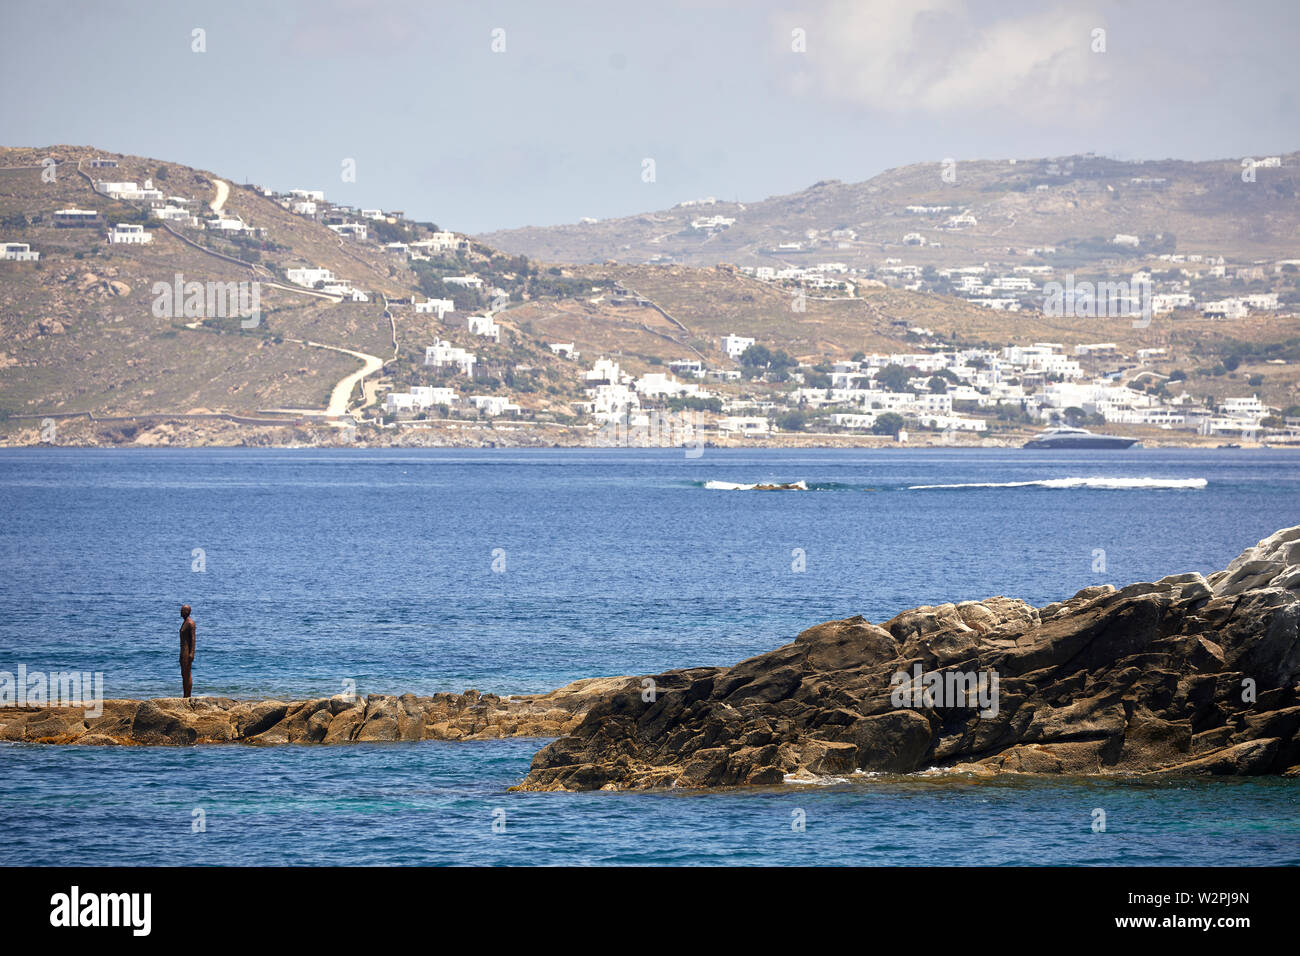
(377, 566)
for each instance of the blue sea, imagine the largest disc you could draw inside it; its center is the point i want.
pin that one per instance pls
(513, 571)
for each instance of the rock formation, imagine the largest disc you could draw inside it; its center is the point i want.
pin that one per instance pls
(1184, 675)
(327, 720)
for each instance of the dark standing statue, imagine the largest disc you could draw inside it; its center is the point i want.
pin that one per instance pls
(188, 640)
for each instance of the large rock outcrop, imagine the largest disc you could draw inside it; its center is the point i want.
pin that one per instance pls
(1186, 674)
(325, 720)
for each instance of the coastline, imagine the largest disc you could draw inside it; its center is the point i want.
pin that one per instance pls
(217, 430)
(1190, 674)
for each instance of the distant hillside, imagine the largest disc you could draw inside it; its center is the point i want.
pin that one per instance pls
(81, 334)
(1077, 204)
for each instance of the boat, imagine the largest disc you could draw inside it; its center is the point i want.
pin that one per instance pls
(1066, 437)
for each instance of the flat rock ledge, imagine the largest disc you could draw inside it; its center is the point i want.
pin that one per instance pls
(1188, 674)
(324, 720)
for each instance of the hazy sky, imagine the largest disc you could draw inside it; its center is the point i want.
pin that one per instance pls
(557, 126)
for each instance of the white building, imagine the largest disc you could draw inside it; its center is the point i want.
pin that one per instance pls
(170, 213)
(853, 420)
(18, 252)
(129, 233)
(493, 405)
(611, 400)
(743, 425)
(484, 326)
(656, 384)
(426, 396)
(566, 349)
(438, 306)
(307, 277)
(735, 345)
(355, 230)
(438, 242)
(1224, 309)
(308, 195)
(75, 217)
(606, 370)
(445, 355)
(130, 191)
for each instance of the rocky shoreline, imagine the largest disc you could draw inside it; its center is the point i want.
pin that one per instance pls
(324, 720)
(1188, 674)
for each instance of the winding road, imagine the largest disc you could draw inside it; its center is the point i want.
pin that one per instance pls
(338, 405)
(223, 191)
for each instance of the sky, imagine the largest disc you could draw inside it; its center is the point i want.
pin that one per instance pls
(486, 115)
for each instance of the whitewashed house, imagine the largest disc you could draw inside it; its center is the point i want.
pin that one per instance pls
(353, 230)
(18, 252)
(484, 326)
(129, 233)
(493, 405)
(735, 345)
(445, 355)
(439, 307)
(427, 396)
(308, 277)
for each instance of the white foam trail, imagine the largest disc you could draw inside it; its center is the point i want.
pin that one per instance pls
(1096, 482)
(733, 486)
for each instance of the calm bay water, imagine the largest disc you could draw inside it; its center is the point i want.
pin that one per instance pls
(378, 567)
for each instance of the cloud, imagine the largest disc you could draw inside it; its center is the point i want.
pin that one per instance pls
(939, 56)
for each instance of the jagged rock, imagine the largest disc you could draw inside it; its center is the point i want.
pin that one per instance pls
(1187, 674)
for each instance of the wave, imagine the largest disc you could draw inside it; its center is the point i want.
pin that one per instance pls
(1094, 482)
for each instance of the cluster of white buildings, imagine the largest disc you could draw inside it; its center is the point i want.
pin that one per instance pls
(820, 277)
(613, 394)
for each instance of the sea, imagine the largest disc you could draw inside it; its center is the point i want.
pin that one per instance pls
(513, 571)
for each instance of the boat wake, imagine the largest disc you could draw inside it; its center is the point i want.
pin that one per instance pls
(1095, 482)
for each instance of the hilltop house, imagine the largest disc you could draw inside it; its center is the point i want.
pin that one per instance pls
(18, 252)
(445, 355)
(308, 277)
(493, 405)
(76, 217)
(735, 345)
(484, 326)
(354, 230)
(129, 191)
(438, 306)
(129, 233)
